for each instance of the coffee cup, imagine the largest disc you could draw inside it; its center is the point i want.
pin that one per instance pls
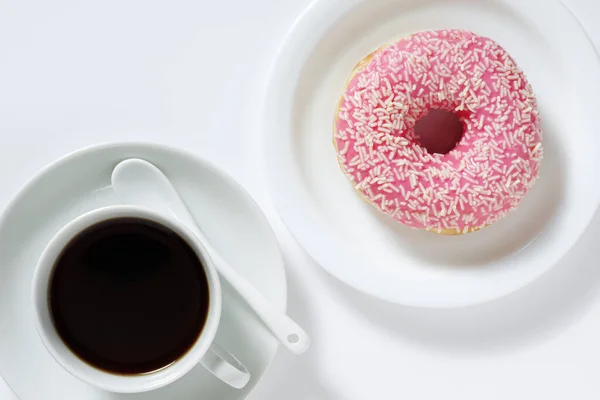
(114, 285)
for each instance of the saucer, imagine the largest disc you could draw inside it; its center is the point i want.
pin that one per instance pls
(365, 248)
(80, 182)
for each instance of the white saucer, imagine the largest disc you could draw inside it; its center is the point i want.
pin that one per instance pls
(368, 250)
(79, 183)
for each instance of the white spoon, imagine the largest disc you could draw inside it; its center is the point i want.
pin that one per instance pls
(141, 183)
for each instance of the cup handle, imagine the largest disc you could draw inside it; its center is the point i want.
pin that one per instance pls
(225, 366)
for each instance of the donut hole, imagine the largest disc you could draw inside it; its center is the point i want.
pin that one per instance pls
(439, 131)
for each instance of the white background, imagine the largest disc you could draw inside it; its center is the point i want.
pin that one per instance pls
(191, 73)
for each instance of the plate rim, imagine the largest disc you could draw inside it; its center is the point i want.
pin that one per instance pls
(38, 176)
(301, 39)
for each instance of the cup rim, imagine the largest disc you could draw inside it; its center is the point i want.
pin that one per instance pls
(85, 371)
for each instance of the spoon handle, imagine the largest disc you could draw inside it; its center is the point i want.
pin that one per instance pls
(283, 327)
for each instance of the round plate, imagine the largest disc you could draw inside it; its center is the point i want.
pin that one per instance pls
(365, 248)
(79, 183)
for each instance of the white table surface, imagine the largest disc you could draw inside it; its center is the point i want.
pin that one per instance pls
(191, 74)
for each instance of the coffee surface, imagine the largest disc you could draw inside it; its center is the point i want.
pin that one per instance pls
(129, 296)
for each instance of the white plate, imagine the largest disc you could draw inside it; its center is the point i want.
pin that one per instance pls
(79, 183)
(364, 248)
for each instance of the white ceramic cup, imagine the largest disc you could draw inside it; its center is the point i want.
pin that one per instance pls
(216, 360)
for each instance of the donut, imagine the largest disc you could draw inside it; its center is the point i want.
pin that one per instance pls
(483, 174)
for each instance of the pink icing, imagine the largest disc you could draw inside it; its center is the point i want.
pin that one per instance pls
(488, 172)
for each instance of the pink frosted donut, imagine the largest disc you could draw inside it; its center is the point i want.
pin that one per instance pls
(487, 172)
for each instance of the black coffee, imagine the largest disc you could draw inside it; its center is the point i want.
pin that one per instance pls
(128, 296)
